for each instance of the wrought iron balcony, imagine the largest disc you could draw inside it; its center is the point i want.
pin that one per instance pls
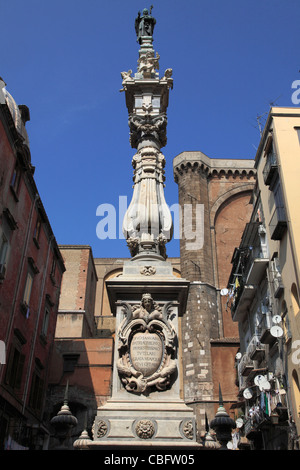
(278, 223)
(252, 269)
(245, 365)
(250, 429)
(265, 326)
(256, 265)
(256, 350)
(243, 296)
(270, 168)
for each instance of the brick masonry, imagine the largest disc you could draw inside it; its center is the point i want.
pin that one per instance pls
(209, 337)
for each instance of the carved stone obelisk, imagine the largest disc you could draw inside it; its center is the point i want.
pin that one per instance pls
(146, 406)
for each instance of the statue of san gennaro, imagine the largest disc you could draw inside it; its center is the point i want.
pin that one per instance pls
(144, 25)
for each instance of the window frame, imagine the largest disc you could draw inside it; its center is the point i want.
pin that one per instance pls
(16, 180)
(15, 367)
(36, 393)
(37, 231)
(25, 304)
(46, 319)
(4, 251)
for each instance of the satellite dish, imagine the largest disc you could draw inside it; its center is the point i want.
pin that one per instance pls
(276, 331)
(224, 291)
(238, 356)
(239, 423)
(259, 379)
(247, 393)
(265, 385)
(276, 319)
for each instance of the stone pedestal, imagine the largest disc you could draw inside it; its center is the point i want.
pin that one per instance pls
(142, 423)
(146, 408)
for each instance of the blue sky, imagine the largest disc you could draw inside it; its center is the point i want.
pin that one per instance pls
(64, 59)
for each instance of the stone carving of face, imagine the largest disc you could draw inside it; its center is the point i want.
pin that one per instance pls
(147, 303)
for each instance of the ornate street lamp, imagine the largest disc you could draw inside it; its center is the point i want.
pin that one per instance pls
(222, 424)
(63, 422)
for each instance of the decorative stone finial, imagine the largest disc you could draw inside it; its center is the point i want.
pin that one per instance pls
(64, 421)
(208, 440)
(82, 443)
(222, 423)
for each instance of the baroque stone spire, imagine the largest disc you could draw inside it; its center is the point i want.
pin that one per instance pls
(147, 225)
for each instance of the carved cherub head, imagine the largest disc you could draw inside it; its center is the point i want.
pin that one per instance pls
(147, 302)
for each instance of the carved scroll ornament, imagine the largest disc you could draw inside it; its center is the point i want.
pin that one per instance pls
(147, 346)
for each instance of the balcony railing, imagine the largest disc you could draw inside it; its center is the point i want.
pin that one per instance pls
(278, 223)
(264, 327)
(270, 168)
(245, 365)
(251, 270)
(243, 296)
(253, 423)
(256, 265)
(256, 349)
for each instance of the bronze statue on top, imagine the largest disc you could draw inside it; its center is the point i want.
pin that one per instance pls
(144, 25)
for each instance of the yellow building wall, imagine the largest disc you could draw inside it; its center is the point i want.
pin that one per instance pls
(288, 146)
(284, 125)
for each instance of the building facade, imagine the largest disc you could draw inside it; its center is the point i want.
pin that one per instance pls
(220, 190)
(265, 291)
(31, 269)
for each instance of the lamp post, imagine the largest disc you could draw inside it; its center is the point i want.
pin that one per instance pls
(222, 424)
